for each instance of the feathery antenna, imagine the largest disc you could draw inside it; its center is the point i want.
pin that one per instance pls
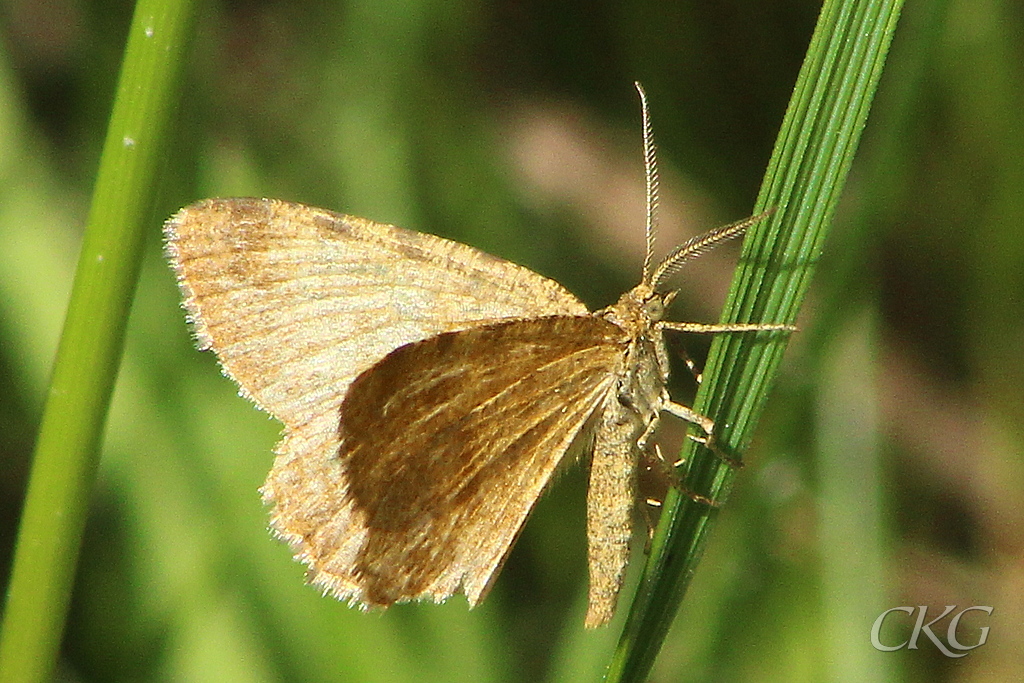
(651, 173)
(701, 244)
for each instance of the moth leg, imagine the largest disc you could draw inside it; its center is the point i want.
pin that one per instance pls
(645, 438)
(705, 423)
(691, 416)
(691, 365)
(669, 470)
(697, 498)
(669, 476)
(650, 521)
(662, 475)
(716, 328)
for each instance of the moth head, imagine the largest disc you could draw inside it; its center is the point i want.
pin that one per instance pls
(639, 308)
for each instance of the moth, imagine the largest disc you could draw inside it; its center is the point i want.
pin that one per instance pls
(429, 391)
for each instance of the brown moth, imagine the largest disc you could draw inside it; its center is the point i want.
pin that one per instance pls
(429, 391)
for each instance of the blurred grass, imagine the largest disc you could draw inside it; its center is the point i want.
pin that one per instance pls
(401, 112)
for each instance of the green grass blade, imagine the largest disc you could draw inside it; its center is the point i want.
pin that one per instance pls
(805, 177)
(67, 449)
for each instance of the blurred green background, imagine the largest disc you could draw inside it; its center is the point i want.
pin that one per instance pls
(887, 471)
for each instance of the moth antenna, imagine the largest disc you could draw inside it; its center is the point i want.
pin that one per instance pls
(651, 176)
(701, 244)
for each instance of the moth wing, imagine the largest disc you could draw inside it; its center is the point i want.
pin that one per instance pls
(444, 447)
(297, 301)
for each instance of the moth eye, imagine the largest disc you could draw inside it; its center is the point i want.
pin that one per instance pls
(654, 308)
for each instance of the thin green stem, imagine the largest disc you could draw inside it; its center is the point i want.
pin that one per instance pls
(67, 449)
